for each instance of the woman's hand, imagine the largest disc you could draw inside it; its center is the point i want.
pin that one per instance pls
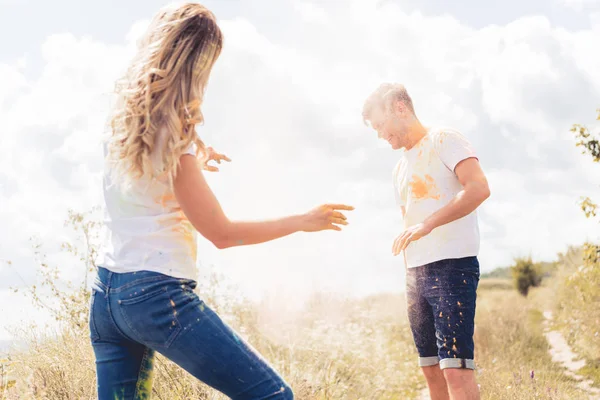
(211, 155)
(325, 217)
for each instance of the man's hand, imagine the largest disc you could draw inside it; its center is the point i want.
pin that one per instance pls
(411, 234)
(210, 155)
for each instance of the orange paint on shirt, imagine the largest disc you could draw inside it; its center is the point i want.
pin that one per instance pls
(185, 228)
(424, 189)
(167, 198)
(188, 237)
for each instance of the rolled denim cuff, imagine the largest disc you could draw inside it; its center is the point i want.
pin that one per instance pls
(428, 361)
(457, 363)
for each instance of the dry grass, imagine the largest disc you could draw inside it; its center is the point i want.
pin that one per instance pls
(575, 301)
(495, 284)
(510, 345)
(334, 348)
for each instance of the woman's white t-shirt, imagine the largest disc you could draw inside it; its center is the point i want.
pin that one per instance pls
(147, 230)
(424, 182)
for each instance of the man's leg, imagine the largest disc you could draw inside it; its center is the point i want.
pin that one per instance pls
(436, 382)
(422, 325)
(453, 300)
(461, 384)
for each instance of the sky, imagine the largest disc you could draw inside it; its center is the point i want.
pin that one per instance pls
(284, 103)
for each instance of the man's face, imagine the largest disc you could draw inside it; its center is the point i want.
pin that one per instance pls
(391, 126)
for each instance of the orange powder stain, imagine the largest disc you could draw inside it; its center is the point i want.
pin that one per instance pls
(424, 189)
(189, 239)
(169, 197)
(442, 136)
(185, 228)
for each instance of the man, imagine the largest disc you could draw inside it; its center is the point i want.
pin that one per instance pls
(439, 184)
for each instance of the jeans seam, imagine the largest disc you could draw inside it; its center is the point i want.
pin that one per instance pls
(94, 334)
(137, 383)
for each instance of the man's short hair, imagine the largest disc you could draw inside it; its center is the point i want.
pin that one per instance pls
(383, 97)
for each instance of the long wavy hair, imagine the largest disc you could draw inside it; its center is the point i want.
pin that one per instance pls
(160, 96)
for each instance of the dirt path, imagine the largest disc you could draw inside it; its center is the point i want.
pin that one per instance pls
(561, 353)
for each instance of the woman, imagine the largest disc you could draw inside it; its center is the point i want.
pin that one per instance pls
(156, 197)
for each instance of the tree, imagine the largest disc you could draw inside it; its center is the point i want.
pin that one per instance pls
(591, 145)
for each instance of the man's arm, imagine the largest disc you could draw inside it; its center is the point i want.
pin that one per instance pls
(475, 191)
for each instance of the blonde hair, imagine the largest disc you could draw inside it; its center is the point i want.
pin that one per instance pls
(163, 90)
(383, 97)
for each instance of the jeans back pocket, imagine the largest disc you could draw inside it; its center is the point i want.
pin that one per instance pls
(150, 314)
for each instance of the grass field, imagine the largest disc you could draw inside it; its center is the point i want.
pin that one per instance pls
(334, 348)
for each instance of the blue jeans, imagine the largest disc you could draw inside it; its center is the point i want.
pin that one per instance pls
(133, 315)
(441, 299)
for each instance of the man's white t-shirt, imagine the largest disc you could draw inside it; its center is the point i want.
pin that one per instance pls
(147, 230)
(424, 182)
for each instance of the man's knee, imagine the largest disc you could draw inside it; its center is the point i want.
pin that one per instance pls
(432, 372)
(458, 377)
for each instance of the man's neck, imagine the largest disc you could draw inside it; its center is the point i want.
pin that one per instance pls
(416, 132)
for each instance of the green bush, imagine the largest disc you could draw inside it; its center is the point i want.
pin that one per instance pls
(525, 275)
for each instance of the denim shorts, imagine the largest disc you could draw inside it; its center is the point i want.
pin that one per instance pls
(440, 299)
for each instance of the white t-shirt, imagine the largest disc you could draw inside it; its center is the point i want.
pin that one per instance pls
(147, 230)
(424, 182)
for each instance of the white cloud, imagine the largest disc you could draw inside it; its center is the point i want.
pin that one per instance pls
(580, 5)
(311, 12)
(17, 310)
(288, 114)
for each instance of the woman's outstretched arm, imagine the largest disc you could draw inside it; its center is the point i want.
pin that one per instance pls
(201, 207)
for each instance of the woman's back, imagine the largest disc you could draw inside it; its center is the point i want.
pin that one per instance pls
(147, 230)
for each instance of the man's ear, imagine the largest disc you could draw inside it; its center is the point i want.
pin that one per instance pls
(399, 107)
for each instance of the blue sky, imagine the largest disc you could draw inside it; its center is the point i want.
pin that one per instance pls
(284, 103)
